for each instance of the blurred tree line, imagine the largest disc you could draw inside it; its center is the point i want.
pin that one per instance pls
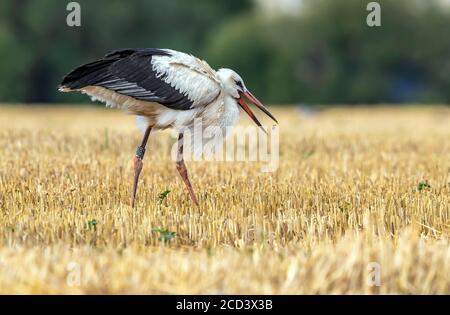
(325, 53)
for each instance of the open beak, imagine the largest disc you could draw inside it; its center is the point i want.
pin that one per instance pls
(252, 99)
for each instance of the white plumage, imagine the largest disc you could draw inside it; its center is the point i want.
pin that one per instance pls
(205, 88)
(170, 89)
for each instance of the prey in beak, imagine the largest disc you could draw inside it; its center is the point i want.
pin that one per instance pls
(246, 95)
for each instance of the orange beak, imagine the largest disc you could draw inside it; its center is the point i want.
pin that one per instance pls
(251, 98)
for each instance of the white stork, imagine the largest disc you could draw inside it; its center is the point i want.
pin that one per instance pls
(170, 89)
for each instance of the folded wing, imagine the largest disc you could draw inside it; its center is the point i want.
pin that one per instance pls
(170, 78)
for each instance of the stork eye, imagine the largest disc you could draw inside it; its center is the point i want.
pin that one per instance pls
(239, 83)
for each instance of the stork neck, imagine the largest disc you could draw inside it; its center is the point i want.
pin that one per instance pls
(231, 111)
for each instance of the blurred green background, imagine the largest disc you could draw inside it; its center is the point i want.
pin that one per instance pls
(289, 51)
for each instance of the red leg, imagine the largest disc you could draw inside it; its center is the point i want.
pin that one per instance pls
(137, 162)
(181, 167)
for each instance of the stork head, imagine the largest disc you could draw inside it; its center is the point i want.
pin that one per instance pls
(234, 86)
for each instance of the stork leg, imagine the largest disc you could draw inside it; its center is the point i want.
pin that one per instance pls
(137, 161)
(181, 167)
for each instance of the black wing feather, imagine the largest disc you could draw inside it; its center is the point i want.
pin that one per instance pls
(129, 72)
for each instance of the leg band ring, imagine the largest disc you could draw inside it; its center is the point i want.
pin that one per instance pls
(140, 152)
